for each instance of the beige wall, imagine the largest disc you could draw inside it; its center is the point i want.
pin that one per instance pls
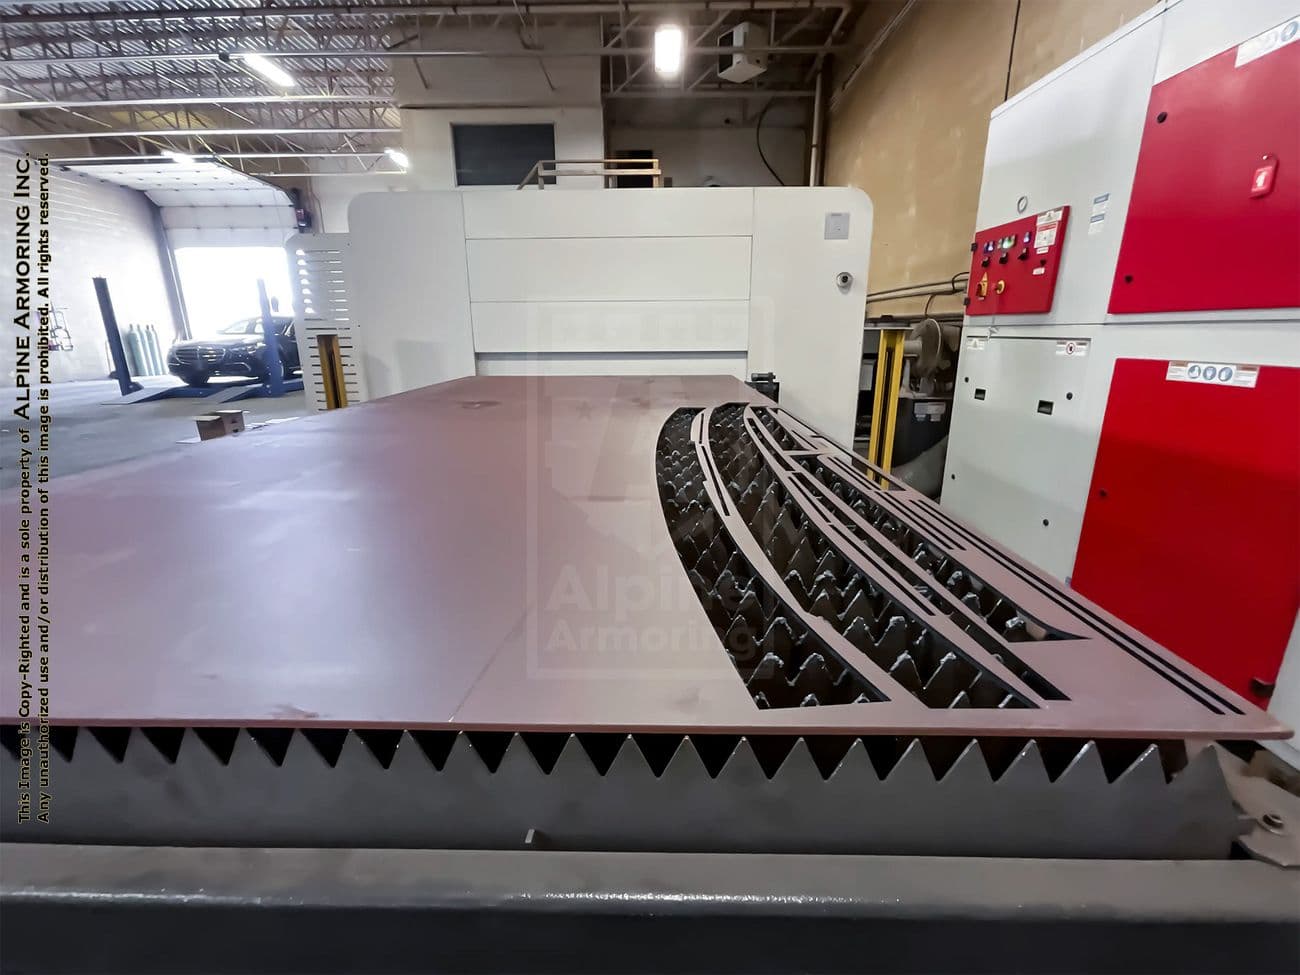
(911, 124)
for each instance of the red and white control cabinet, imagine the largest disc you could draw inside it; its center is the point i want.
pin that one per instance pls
(1129, 422)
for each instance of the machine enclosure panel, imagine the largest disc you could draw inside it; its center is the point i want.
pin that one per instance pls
(1021, 472)
(1194, 30)
(1087, 165)
(803, 324)
(609, 269)
(1192, 528)
(685, 212)
(677, 281)
(512, 327)
(1013, 266)
(1214, 219)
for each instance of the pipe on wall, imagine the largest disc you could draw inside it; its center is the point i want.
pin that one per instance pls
(952, 286)
(817, 131)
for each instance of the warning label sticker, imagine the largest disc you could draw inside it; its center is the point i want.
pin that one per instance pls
(1268, 42)
(1214, 373)
(1046, 226)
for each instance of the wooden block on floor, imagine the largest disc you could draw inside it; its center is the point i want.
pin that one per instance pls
(234, 420)
(210, 426)
(219, 423)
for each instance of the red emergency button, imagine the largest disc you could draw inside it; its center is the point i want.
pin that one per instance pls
(1262, 183)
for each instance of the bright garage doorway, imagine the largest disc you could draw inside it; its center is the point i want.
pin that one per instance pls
(220, 284)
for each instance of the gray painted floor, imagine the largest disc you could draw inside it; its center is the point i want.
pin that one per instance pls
(88, 434)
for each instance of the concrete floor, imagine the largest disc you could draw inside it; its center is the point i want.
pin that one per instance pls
(88, 433)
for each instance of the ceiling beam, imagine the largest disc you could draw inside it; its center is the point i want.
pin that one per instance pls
(35, 35)
(195, 100)
(610, 7)
(204, 156)
(195, 133)
(336, 54)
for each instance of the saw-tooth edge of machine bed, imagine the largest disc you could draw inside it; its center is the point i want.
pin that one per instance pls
(626, 613)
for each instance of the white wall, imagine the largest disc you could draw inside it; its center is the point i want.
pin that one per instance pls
(440, 92)
(719, 155)
(96, 230)
(328, 195)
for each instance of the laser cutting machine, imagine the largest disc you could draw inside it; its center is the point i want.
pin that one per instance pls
(648, 671)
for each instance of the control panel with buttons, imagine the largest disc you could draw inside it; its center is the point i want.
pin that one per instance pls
(1013, 267)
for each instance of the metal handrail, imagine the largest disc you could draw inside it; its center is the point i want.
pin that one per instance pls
(545, 169)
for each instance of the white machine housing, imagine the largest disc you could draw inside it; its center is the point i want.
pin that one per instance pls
(433, 286)
(1073, 139)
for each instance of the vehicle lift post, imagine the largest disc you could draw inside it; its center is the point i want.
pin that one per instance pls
(271, 354)
(120, 371)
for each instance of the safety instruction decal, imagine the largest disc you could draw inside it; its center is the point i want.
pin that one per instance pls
(1097, 220)
(1049, 221)
(1214, 373)
(1268, 42)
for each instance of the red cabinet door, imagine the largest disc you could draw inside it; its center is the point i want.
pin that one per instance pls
(1191, 533)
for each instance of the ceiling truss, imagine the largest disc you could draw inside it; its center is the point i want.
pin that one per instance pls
(136, 77)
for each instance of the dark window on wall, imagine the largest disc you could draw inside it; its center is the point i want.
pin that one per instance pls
(499, 155)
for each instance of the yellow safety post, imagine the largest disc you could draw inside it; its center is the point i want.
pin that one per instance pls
(884, 398)
(331, 372)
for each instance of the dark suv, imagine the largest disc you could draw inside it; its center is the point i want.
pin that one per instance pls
(237, 350)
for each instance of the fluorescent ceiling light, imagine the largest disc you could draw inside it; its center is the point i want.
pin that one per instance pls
(399, 157)
(174, 156)
(269, 70)
(669, 48)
